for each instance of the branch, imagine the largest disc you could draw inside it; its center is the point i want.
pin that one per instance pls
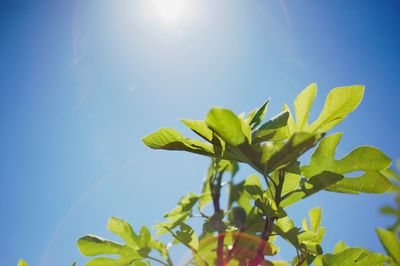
(216, 194)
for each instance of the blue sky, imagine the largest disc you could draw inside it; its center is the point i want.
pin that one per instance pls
(83, 81)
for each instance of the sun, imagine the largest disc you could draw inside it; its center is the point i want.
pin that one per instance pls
(170, 9)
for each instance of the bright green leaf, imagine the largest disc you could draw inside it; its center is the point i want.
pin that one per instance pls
(302, 106)
(390, 242)
(338, 104)
(274, 129)
(364, 158)
(134, 249)
(258, 116)
(311, 186)
(291, 126)
(171, 139)
(200, 128)
(178, 215)
(22, 262)
(253, 186)
(370, 182)
(298, 144)
(339, 247)
(315, 218)
(227, 125)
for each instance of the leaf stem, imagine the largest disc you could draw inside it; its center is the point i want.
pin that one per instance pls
(216, 194)
(269, 221)
(159, 261)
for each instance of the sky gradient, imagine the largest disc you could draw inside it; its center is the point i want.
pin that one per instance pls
(83, 81)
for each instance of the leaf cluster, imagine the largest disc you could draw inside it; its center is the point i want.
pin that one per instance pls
(241, 228)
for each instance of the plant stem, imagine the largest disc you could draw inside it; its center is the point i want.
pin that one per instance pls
(269, 221)
(159, 261)
(216, 193)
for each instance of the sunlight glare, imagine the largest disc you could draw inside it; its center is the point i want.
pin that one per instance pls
(170, 9)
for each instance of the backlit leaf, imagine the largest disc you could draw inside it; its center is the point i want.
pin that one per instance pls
(22, 262)
(171, 139)
(258, 116)
(136, 247)
(298, 144)
(274, 129)
(390, 242)
(366, 158)
(302, 106)
(227, 125)
(338, 104)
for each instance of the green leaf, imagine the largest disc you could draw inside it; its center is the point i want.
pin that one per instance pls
(291, 126)
(227, 125)
(273, 130)
(302, 106)
(360, 159)
(368, 159)
(338, 104)
(281, 263)
(339, 247)
(298, 144)
(390, 242)
(354, 256)
(237, 217)
(171, 139)
(315, 218)
(258, 116)
(291, 182)
(389, 210)
(187, 236)
(136, 247)
(178, 215)
(200, 128)
(253, 186)
(22, 262)
(370, 182)
(311, 186)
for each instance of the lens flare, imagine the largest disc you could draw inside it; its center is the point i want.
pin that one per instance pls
(238, 248)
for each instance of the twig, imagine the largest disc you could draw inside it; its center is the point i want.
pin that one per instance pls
(159, 261)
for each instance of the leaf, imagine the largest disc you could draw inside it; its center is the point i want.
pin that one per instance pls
(364, 158)
(389, 210)
(290, 128)
(291, 182)
(136, 248)
(171, 139)
(227, 125)
(239, 195)
(368, 159)
(272, 130)
(339, 247)
(302, 106)
(187, 236)
(178, 215)
(345, 258)
(237, 217)
(315, 218)
(280, 263)
(258, 116)
(338, 104)
(22, 262)
(311, 186)
(370, 182)
(390, 242)
(200, 128)
(354, 256)
(298, 144)
(253, 186)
